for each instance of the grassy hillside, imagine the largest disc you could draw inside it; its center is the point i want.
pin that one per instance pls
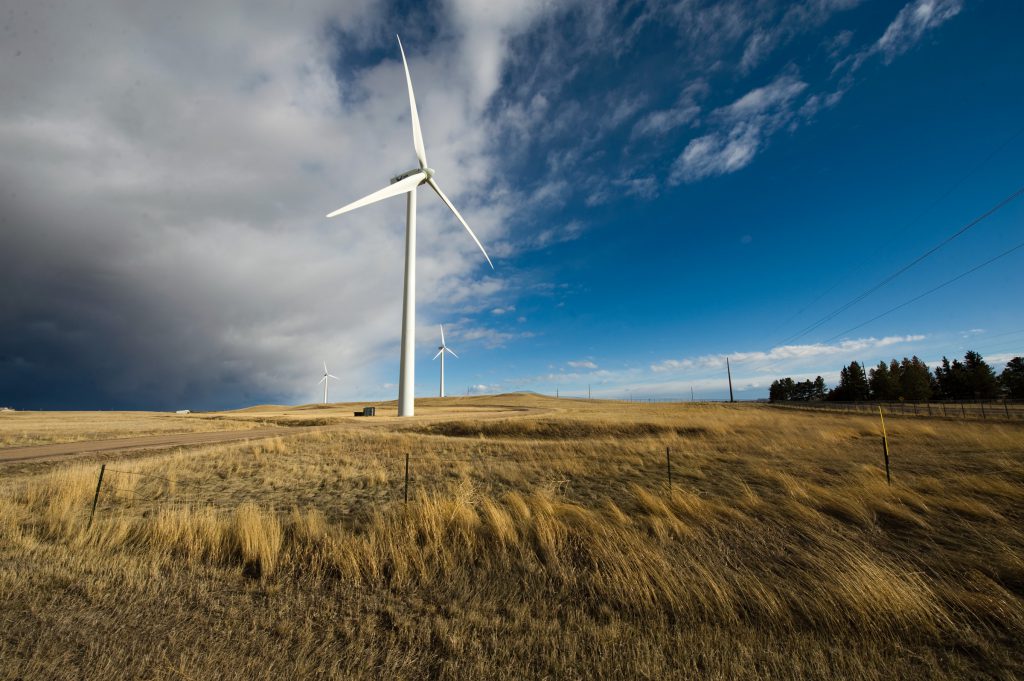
(541, 539)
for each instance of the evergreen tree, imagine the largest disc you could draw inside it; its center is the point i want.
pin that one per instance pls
(884, 386)
(786, 389)
(981, 380)
(951, 380)
(915, 380)
(781, 390)
(853, 385)
(819, 388)
(1012, 379)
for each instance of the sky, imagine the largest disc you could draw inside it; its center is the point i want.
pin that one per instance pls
(660, 185)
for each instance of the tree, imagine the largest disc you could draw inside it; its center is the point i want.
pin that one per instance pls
(884, 386)
(786, 390)
(951, 380)
(981, 380)
(819, 389)
(915, 380)
(781, 390)
(853, 385)
(1012, 379)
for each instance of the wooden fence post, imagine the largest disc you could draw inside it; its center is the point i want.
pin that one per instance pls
(885, 448)
(963, 412)
(983, 411)
(1006, 409)
(96, 497)
(407, 477)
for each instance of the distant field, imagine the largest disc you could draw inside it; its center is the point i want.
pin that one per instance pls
(541, 539)
(20, 428)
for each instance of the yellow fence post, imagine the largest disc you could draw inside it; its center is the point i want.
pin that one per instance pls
(885, 446)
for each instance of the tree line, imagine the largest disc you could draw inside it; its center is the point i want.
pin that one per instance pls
(910, 380)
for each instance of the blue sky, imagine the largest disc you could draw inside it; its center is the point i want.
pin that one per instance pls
(661, 185)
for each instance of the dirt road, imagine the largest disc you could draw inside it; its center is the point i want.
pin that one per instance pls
(386, 419)
(63, 449)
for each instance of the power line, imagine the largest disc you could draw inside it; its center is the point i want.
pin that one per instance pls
(931, 290)
(832, 315)
(770, 364)
(942, 197)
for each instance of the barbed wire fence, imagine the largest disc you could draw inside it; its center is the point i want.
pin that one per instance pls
(121, 487)
(963, 410)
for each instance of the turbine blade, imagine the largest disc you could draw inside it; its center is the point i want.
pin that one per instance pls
(325, 366)
(417, 135)
(438, 354)
(442, 334)
(400, 187)
(321, 380)
(448, 203)
(333, 376)
(452, 353)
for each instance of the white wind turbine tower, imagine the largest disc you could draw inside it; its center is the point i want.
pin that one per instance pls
(324, 380)
(440, 353)
(407, 183)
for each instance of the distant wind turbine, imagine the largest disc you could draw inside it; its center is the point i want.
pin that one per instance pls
(441, 349)
(407, 183)
(324, 380)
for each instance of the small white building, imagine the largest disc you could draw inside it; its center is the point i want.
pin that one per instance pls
(183, 411)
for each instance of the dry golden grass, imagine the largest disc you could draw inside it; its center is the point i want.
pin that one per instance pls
(23, 428)
(543, 544)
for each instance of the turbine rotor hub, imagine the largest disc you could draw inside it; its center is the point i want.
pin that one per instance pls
(429, 172)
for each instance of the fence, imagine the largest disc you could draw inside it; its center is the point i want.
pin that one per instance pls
(981, 410)
(120, 488)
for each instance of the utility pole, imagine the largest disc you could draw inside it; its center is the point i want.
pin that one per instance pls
(588, 391)
(729, 370)
(691, 393)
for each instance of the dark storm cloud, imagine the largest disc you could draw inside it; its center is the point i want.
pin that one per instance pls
(164, 172)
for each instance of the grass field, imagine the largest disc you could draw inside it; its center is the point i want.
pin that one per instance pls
(540, 540)
(22, 428)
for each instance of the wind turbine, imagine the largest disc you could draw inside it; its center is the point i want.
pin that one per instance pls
(324, 380)
(440, 353)
(407, 183)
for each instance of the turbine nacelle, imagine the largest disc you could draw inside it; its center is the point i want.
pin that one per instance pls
(428, 172)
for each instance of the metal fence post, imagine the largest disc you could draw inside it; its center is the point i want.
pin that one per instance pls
(407, 477)
(96, 497)
(668, 465)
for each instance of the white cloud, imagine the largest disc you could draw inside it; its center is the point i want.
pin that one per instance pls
(491, 338)
(783, 353)
(744, 126)
(742, 129)
(582, 364)
(664, 120)
(911, 24)
(770, 98)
